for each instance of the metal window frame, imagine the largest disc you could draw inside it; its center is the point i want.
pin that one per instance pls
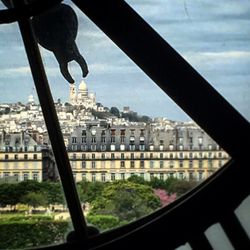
(171, 73)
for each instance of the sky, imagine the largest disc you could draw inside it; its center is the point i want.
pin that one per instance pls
(213, 36)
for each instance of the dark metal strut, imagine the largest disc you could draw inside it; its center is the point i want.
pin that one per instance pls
(170, 72)
(53, 127)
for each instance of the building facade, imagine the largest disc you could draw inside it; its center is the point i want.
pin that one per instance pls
(103, 150)
(100, 152)
(109, 166)
(21, 158)
(82, 97)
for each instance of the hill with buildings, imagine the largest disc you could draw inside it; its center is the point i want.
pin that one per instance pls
(103, 143)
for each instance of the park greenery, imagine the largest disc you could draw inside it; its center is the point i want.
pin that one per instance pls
(126, 200)
(31, 193)
(110, 205)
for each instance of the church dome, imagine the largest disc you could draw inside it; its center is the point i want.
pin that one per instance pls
(82, 86)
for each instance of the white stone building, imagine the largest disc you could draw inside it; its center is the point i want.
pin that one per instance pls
(82, 97)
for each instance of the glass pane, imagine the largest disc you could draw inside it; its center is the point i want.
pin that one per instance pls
(32, 206)
(130, 153)
(212, 36)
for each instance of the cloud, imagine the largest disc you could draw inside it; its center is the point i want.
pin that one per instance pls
(20, 71)
(143, 2)
(104, 68)
(220, 56)
(24, 71)
(211, 35)
(228, 54)
(235, 58)
(90, 34)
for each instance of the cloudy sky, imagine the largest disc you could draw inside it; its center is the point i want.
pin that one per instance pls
(214, 36)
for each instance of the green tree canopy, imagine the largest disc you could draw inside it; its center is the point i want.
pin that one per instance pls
(34, 199)
(126, 200)
(89, 191)
(9, 194)
(137, 179)
(157, 183)
(134, 117)
(180, 187)
(145, 119)
(7, 110)
(115, 111)
(29, 186)
(53, 192)
(100, 115)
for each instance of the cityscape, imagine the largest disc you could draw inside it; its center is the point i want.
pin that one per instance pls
(132, 150)
(125, 166)
(103, 144)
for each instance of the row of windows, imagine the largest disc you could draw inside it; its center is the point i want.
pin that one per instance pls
(20, 149)
(113, 139)
(180, 155)
(17, 156)
(141, 136)
(122, 176)
(104, 177)
(104, 147)
(22, 176)
(132, 146)
(113, 132)
(122, 156)
(152, 164)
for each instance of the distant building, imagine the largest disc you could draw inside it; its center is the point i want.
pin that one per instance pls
(82, 97)
(103, 149)
(96, 136)
(99, 151)
(126, 110)
(31, 99)
(106, 153)
(21, 158)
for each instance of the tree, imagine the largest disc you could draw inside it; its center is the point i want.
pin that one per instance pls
(115, 111)
(68, 104)
(28, 186)
(7, 110)
(53, 192)
(69, 107)
(100, 115)
(34, 199)
(169, 184)
(145, 119)
(9, 194)
(126, 200)
(12, 194)
(132, 117)
(157, 183)
(89, 191)
(172, 185)
(137, 179)
(165, 198)
(180, 187)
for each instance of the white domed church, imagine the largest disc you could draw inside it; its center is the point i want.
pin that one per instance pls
(82, 96)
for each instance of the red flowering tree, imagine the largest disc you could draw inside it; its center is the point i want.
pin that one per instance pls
(164, 196)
